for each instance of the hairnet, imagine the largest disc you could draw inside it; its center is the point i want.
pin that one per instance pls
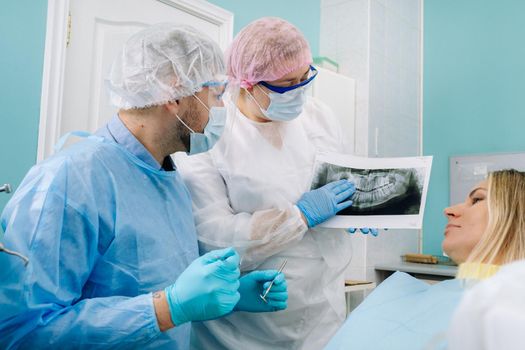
(266, 50)
(163, 63)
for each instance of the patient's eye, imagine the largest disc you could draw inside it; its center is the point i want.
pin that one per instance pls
(477, 199)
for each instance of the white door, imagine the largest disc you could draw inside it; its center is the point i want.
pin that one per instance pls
(95, 30)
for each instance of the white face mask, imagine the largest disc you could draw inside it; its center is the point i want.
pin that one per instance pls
(202, 142)
(283, 107)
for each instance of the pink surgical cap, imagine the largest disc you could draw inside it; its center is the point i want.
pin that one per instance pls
(266, 50)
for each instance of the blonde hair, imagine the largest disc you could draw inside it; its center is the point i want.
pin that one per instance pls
(504, 238)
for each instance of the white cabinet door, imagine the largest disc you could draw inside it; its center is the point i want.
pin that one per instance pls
(95, 32)
(338, 92)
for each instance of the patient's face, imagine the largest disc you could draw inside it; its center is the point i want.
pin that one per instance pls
(466, 223)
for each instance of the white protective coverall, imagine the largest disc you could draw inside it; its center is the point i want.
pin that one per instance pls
(244, 193)
(491, 316)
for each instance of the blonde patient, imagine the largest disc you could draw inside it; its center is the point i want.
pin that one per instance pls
(482, 234)
(491, 315)
(488, 229)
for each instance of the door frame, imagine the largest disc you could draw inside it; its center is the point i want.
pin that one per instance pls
(58, 21)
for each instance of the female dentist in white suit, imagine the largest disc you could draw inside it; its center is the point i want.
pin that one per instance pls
(251, 191)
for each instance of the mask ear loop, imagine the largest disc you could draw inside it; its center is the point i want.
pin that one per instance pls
(264, 92)
(202, 103)
(255, 101)
(183, 123)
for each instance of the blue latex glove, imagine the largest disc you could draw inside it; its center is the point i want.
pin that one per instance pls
(321, 204)
(373, 231)
(254, 284)
(207, 289)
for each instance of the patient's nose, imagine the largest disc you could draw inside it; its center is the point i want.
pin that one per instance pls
(452, 211)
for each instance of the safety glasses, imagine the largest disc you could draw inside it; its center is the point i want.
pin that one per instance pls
(283, 89)
(216, 90)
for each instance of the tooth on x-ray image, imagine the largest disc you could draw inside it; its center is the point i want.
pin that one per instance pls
(378, 191)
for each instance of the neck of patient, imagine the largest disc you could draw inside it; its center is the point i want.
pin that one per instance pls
(152, 131)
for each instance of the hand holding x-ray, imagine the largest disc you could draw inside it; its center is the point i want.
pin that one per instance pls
(323, 203)
(389, 192)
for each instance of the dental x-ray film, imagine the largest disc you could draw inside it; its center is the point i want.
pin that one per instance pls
(390, 192)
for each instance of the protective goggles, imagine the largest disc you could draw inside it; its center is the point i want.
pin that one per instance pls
(282, 89)
(216, 90)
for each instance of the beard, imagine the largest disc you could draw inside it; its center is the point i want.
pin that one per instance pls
(183, 135)
(191, 118)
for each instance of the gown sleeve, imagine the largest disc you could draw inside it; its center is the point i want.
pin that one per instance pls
(256, 235)
(42, 303)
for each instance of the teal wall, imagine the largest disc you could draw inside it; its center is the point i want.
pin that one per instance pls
(474, 88)
(22, 36)
(305, 14)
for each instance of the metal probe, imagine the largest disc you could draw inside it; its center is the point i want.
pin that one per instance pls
(263, 296)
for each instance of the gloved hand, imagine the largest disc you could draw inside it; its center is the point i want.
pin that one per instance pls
(207, 289)
(254, 284)
(365, 230)
(321, 204)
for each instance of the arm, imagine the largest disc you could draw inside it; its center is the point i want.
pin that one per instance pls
(257, 235)
(162, 311)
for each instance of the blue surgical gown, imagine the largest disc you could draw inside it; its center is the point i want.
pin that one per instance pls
(103, 229)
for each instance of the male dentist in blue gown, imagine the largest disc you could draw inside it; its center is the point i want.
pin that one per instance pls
(107, 223)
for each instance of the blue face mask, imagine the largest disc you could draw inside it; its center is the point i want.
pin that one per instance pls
(202, 142)
(286, 102)
(283, 107)
(212, 132)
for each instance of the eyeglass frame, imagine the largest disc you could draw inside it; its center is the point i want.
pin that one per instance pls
(283, 89)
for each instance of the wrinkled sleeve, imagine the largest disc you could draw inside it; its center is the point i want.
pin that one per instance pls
(256, 235)
(42, 304)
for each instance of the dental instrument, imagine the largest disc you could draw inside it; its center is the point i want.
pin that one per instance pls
(263, 296)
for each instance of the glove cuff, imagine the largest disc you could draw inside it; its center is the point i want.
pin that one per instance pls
(303, 211)
(178, 316)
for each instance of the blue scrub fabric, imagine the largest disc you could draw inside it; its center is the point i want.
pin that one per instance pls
(103, 229)
(401, 313)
